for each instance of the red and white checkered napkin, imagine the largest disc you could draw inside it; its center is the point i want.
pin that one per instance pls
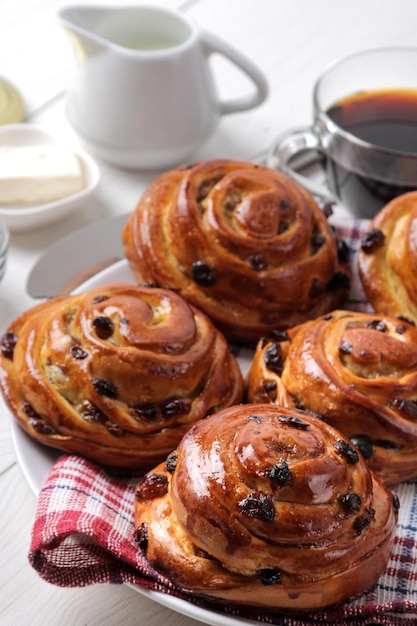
(84, 534)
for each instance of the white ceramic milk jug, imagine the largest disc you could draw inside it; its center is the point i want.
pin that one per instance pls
(144, 95)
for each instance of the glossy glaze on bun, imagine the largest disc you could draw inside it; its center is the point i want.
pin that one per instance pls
(359, 372)
(117, 374)
(266, 506)
(387, 259)
(244, 243)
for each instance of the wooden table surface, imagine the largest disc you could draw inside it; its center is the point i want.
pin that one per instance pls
(291, 41)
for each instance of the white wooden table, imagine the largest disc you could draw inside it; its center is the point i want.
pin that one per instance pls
(292, 41)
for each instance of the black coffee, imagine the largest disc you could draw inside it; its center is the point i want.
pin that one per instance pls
(382, 118)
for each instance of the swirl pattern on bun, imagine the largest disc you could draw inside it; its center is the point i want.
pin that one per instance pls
(359, 372)
(244, 243)
(266, 506)
(387, 259)
(117, 374)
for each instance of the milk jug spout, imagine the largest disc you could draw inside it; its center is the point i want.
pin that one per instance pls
(86, 27)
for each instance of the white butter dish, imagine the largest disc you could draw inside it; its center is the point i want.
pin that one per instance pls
(46, 179)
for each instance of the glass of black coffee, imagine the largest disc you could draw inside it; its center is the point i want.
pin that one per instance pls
(364, 130)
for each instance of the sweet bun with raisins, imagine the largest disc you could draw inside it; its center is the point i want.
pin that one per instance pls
(116, 374)
(359, 372)
(242, 242)
(266, 506)
(387, 259)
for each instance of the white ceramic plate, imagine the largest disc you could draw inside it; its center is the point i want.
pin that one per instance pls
(25, 218)
(36, 462)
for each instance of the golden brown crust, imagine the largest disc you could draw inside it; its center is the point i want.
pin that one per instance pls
(357, 370)
(267, 507)
(117, 374)
(387, 260)
(234, 239)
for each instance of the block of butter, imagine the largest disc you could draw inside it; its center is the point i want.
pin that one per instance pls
(32, 175)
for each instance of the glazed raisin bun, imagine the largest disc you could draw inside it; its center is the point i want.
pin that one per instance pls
(387, 258)
(117, 374)
(359, 372)
(266, 506)
(244, 243)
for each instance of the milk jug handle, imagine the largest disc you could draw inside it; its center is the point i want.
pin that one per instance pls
(293, 149)
(213, 44)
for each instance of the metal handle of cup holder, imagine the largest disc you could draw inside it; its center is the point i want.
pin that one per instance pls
(299, 146)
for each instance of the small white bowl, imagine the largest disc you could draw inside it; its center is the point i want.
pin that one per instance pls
(4, 247)
(23, 218)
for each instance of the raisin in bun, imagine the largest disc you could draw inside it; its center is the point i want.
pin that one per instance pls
(387, 259)
(359, 372)
(244, 243)
(117, 374)
(269, 507)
